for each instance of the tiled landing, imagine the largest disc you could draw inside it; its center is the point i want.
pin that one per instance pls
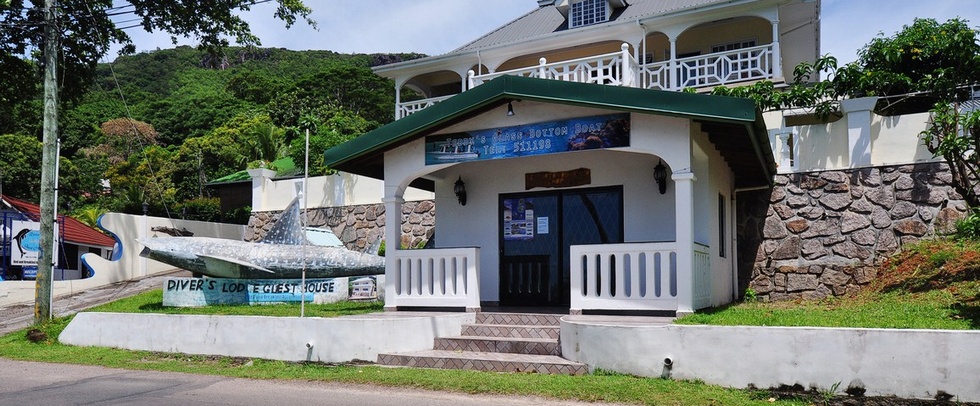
(498, 342)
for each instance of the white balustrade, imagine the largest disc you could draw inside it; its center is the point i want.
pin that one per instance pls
(632, 276)
(433, 278)
(701, 275)
(724, 68)
(622, 69)
(411, 107)
(615, 69)
(635, 276)
(656, 75)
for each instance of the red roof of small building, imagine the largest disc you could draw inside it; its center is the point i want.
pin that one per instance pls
(75, 231)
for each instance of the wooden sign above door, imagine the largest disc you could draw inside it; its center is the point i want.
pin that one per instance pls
(572, 178)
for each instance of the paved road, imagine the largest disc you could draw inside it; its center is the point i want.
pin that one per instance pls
(32, 383)
(20, 315)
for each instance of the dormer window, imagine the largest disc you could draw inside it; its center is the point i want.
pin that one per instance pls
(588, 12)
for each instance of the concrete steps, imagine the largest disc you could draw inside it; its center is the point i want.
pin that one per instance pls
(498, 342)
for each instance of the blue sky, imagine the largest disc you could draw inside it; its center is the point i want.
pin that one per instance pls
(438, 26)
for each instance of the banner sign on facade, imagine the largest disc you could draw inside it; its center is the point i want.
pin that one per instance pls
(195, 292)
(575, 134)
(25, 243)
(189, 292)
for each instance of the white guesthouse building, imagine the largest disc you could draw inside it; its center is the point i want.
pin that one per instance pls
(591, 180)
(567, 167)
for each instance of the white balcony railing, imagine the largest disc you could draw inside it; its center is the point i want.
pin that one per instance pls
(617, 69)
(407, 108)
(724, 68)
(622, 69)
(433, 278)
(635, 276)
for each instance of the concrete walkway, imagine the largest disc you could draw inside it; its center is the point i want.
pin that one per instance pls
(16, 316)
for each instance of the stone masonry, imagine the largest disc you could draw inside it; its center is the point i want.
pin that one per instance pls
(821, 234)
(357, 226)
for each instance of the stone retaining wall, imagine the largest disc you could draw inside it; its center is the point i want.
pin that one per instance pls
(357, 226)
(823, 233)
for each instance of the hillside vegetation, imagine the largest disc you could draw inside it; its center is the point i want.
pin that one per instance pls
(160, 125)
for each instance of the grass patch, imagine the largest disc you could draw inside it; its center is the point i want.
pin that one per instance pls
(152, 302)
(931, 285)
(600, 387)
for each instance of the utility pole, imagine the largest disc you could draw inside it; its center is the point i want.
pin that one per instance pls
(49, 158)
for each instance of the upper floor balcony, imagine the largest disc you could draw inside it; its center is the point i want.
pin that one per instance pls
(621, 68)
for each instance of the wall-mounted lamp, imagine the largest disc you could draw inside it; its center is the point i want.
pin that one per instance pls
(510, 109)
(660, 175)
(459, 188)
(146, 207)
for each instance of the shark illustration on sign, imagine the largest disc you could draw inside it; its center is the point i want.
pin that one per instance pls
(284, 253)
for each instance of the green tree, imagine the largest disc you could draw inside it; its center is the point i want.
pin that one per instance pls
(929, 64)
(339, 126)
(246, 137)
(925, 65)
(144, 176)
(88, 30)
(20, 166)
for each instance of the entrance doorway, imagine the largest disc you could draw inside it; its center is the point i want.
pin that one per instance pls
(536, 231)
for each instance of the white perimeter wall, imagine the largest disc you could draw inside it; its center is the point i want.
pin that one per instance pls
(129, 265)
(340, 339)
(340, 189)
(894, 140)
(905, 363)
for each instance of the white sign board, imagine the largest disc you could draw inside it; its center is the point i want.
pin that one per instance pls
(195, 292)
(25, 243)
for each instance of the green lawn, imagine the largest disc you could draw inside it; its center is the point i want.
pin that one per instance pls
(152, 302)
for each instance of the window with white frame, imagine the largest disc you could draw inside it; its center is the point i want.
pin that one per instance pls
(588, 12)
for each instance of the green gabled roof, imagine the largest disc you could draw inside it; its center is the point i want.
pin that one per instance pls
(364, 155)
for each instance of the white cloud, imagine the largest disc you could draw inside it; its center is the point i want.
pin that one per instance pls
(438, 26)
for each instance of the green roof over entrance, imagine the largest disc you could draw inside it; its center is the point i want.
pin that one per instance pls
(734, 125)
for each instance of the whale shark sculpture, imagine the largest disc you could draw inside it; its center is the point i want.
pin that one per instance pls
(283, 254)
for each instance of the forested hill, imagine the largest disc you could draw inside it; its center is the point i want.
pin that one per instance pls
(160, 125)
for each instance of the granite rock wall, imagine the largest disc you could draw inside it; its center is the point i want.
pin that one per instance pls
(358, 226)
(821, 234)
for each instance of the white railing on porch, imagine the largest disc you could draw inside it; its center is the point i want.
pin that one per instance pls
(622, 69)
(701, 276)
(635, 276)
(447, 277)
(411, 107)
(616, 69)
(724, 68)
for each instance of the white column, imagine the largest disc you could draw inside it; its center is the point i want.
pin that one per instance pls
(674, 74)
(684, 206)
(398, 102)
(858, 113)
(261, 178)
(143, 232)
(542, 72)
(626, 73)
(393, 232)
(777, 58)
